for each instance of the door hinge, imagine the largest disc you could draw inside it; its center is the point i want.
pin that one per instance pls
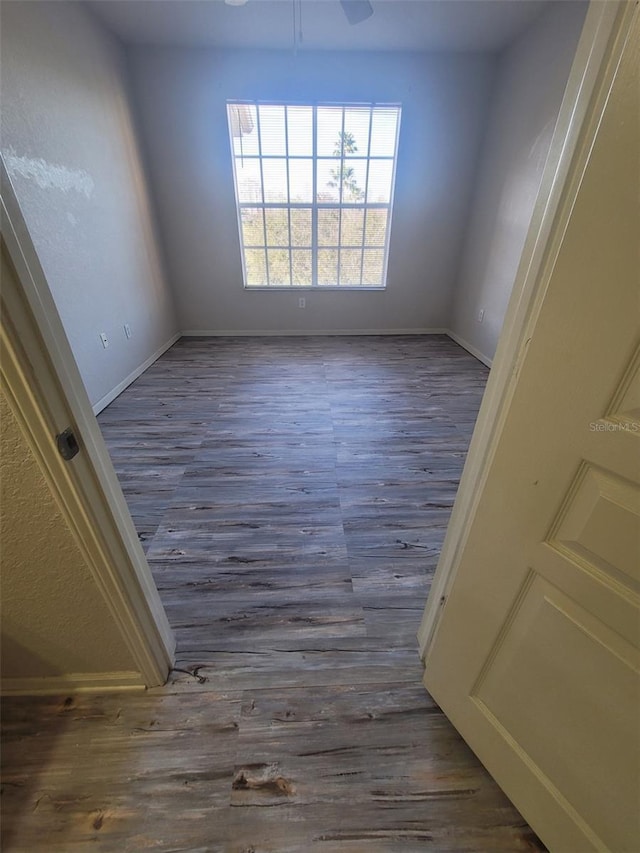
(67, 443)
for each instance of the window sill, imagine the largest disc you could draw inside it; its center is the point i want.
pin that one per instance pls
(316, 288)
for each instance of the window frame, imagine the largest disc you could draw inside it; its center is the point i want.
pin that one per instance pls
(314, 206)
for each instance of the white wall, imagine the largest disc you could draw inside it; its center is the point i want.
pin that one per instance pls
(532, 76)
(181, 95)
(70, 149)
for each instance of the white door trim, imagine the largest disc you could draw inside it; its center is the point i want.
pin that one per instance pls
(604, 34)
(41, 378)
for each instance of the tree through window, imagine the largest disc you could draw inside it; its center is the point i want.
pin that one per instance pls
(314, 189)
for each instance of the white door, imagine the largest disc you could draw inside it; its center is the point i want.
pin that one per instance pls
(535, 657)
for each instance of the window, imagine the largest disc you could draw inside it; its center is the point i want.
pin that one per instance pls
(314, 189)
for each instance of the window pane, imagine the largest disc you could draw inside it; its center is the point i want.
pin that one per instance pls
(249, 183)
(301, 180)
(373, 266)
(350, 260)
(347, 175)
(356, 131)
(376, 227)
(300, 131)
(301, 262)
(301, 227)
(328, 172)
(272, 136)
(252, 226)
(329, 127)
(243, 124)
(352, 227)
(277, 222)
(354, 179)
(328, 225)
(379, 186)
(275, 180)
(256, 267)
(327, 266)
(279, 271)
(383, 132)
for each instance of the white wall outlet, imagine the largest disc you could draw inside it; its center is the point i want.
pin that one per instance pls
(127, 330)
(481, 315)
(104, 339)
(302, 302)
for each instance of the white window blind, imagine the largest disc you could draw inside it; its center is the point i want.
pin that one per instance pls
(314, 190)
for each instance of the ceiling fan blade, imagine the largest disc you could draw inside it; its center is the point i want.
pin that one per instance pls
(357, 10)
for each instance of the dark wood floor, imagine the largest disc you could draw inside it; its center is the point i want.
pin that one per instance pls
(292, 496)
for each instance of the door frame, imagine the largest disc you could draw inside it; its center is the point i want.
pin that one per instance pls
(43, 384)
(604, 34)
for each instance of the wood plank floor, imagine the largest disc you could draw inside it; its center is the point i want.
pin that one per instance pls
(292, 496)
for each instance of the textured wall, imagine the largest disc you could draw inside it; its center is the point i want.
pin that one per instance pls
(54, 620)
(69, 145)
(182, 96)
(532, 77)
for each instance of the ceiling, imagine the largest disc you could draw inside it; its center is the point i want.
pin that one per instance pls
(268, 24)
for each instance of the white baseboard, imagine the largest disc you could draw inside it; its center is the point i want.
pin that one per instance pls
(287, 333)
(91, 682)
(469, 348)
(111, 396)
